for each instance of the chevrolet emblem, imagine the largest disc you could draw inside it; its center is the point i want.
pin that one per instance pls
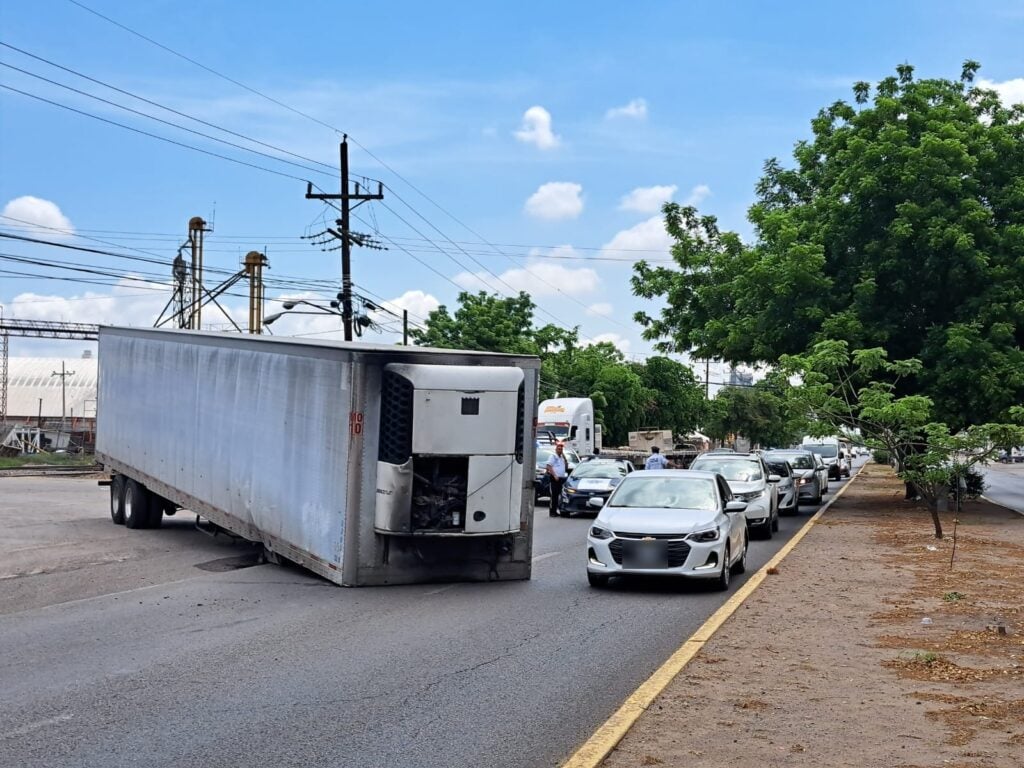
(647, 538)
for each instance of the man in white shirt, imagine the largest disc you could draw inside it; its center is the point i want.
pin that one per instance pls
(557, 469)
(656, 460)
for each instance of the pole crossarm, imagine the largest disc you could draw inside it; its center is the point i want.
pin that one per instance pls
(49, 329)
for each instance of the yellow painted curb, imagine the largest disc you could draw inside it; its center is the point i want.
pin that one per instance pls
(613, 730)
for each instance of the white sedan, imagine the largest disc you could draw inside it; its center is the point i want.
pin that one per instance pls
(672, 522)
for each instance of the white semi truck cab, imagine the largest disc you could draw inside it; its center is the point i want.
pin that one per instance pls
(571, 421)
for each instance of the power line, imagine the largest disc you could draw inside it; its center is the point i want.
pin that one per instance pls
(202, 66)
(161, 120)
(152, 135)
(165, 107)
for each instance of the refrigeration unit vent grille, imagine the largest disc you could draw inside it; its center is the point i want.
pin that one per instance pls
(520, 423)
(396, 405)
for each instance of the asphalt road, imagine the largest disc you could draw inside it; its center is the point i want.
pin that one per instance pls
(119, 651)
(1005, 485)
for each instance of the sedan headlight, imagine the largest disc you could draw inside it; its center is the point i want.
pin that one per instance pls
(751, 496)
(570, 490)
(600, 533)
(709, 535)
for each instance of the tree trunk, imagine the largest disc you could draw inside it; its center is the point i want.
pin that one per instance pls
(936, 521)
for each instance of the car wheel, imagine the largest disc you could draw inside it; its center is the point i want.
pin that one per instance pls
(765, 529)
(722, 582)
(740, 566)
(817, 499)
(117, 499)
(596, 580)
(775, 522)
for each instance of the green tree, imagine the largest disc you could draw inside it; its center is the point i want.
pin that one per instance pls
(675, 400)
(859, 391)
(491, 323)
(599, 372)
(900, 226)
(758, 413)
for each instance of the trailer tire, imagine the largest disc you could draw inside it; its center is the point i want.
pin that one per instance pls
(117, 499)
(136, 505)
(155, 510)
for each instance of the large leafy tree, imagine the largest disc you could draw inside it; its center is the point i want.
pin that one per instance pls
(900, 226)
(675, 400)
(493, 324)
(759, 413)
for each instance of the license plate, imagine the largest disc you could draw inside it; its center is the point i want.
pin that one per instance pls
(644, 554)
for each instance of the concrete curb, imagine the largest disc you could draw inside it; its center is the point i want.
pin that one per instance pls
(607, 736)
(990, 500)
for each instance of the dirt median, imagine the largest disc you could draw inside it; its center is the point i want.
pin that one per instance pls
(865, 649)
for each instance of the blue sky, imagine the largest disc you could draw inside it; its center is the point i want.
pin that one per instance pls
(550, 131)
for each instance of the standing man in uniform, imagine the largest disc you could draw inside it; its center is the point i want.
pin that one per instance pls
(656, 460)
(557, 469)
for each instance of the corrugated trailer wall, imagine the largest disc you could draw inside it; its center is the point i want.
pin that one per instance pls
(230, 426)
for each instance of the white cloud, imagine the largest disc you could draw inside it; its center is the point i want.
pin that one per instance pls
(635, 110)
(616, 339)
(601, 309)
(539, 277)
(697, 195)
(418, 304)
(640, 240)
(556, 200)
(647, 199)
(39, 215)
(536, 129)
(1010, 91)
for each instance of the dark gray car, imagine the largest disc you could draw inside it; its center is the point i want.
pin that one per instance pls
(810, 475)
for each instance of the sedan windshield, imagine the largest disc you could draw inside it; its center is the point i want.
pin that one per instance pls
(738, 470)
(780, 468)
(605, 469)
(827, 450)
(796, 460)
(665, 493)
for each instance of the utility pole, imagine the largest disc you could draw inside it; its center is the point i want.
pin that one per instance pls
(4, 356)
(63, 394)
(405, 327)
(345, 234)
(707, 379)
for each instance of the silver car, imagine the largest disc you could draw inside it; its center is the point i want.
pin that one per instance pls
(750, 481)
(810, 471)
(668, 522)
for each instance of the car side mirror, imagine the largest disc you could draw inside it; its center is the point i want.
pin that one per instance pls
(595, 502)
(774, 478)
(735, 506)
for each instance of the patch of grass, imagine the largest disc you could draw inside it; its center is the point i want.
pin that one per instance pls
(925, 657)
(49, 459)
(952, 597)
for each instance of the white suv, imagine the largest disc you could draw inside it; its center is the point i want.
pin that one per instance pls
(749, 481)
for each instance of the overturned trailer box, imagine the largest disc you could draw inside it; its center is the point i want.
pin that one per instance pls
(365, 464)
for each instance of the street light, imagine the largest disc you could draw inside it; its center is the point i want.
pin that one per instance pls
(404, 317)
(278, 315)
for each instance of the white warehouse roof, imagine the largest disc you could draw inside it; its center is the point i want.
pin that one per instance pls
(31, 378)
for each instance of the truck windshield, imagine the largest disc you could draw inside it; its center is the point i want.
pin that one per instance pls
(825, 450)
(558, 431)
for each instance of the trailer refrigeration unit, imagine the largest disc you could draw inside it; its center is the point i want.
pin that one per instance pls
(365, 464)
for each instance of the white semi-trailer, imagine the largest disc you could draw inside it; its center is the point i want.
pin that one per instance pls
(365, 464)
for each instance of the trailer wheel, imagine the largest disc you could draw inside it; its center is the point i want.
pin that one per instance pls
(117, 499)
(155, 510)
(136, 505)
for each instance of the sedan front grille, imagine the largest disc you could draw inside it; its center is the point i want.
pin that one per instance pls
(678, 550)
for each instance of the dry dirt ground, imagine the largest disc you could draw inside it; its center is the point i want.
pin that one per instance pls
(866, 649)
